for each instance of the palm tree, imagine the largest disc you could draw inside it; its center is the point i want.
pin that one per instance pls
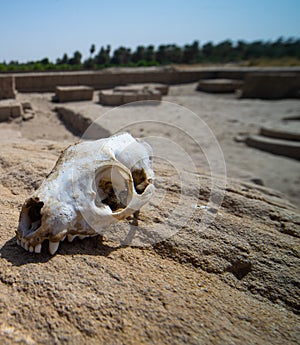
(92, 49)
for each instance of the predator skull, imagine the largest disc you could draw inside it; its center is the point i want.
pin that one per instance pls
(93, 185)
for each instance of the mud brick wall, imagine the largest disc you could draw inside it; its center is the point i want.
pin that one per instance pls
(7, 87)
(271, 86)
(47, 81)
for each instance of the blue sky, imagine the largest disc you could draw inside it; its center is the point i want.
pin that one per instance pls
(34, 29)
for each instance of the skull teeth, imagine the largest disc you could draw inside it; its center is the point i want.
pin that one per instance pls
(53, 246)
(71, 237)
(31, 249)
(38, 248)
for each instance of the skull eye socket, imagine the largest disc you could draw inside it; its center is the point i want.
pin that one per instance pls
(30, 218)
(113, 198)
(113, 188)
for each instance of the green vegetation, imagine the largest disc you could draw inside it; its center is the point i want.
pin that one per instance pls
(282, 52)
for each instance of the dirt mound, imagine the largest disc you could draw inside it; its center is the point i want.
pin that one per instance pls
(233, 281)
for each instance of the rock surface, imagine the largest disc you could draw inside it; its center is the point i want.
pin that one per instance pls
(235, 281)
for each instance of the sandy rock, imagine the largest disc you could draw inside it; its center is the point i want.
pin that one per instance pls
(26, 106)
(28, 115)
(235, 281)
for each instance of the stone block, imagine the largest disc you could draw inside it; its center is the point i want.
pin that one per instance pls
(73, 93)
(16, 110)
(10, 109)
(271, 86)
(110, 98)
(26, 106)
(128, 97)
(127, 94)
(28, 115)
(7, 87)
(276, 146)
(290, 131)
(219, 85)
(154, 95)
(4, 113)
(162, 88)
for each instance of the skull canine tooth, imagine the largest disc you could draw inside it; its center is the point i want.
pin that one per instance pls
(18, 242)
(53, 246)
(94, 184)
(31, 249)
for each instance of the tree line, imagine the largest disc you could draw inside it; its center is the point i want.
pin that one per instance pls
(223, 52)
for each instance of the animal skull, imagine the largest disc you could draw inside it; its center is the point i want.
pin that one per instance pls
(93, 185)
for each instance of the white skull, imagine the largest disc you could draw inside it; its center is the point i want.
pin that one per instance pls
(93, 185)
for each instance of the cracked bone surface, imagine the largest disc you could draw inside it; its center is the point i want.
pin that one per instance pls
(93, 185)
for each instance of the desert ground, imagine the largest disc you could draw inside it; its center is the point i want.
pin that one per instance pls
(226, 276)
(229, 119)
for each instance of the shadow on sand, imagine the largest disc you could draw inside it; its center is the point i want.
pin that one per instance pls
(18, 256)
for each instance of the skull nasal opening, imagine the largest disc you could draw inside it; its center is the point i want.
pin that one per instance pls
(30, 218)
